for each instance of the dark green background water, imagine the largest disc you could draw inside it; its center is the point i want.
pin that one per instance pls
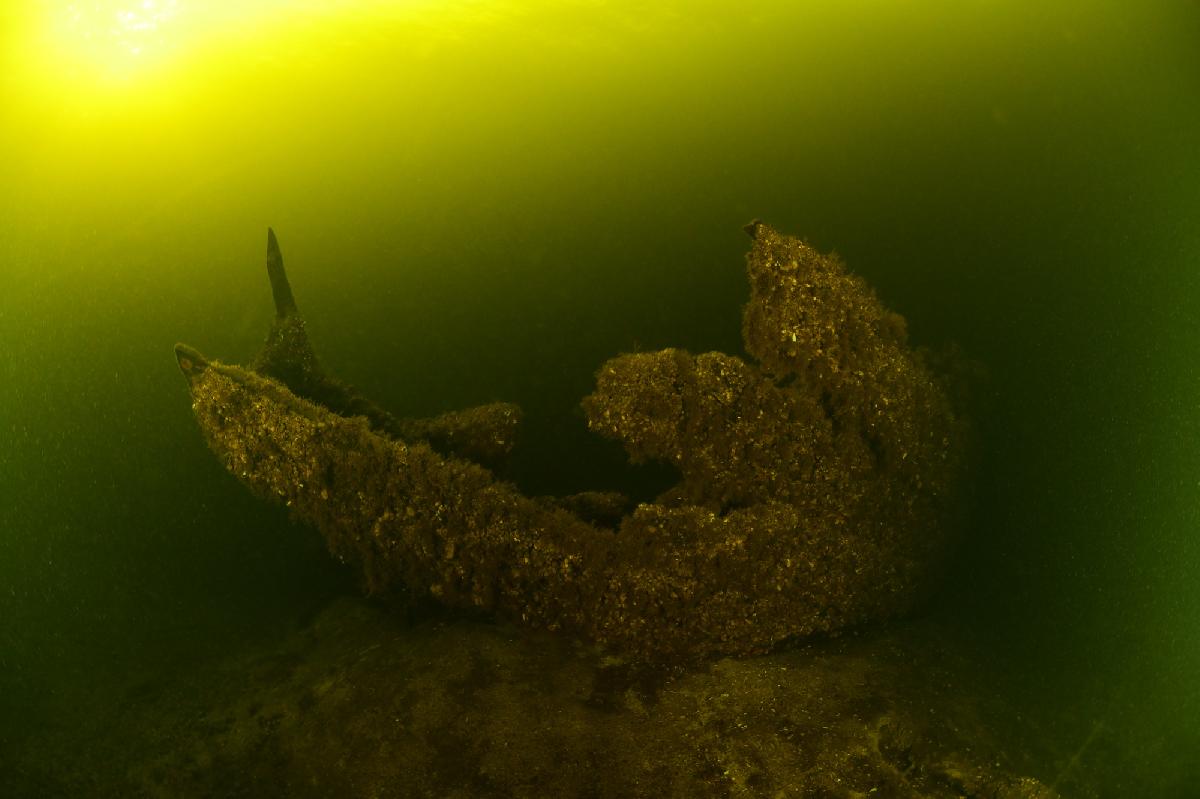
(488, 205)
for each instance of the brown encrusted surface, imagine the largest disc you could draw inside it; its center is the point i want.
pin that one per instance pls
(484, 433)
(840, 420)
(838, 410)
(813, 495)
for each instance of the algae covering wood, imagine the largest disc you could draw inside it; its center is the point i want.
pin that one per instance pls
(817, 487)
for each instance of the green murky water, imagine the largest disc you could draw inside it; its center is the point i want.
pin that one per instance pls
(486, 200)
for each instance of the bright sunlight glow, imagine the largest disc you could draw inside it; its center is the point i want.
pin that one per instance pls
(121, 28)
(80, 48)
(112, 42)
